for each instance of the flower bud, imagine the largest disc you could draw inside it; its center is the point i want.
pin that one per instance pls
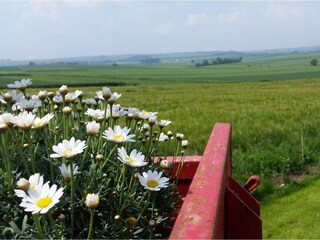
(179, 136)
(43, 95)
(152, 223)
(67, 110)
(184, 143)
(130, 115)
(61, 217)
(131, 222)
(106, 93)
(117, 217)
(170, 134)
(63, 90)
(93, 128)
(23, 184)
(3, 127)
(152, 120)
(7, 97)
(99, 157)
(50, 95)
(26, 145)
(92, 201)
(164, 164)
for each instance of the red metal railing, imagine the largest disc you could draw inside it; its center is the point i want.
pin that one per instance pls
(215, 205)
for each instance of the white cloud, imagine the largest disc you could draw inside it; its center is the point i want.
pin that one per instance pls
(166, 28)
(283, 11)
(230, 17)
(196, 19)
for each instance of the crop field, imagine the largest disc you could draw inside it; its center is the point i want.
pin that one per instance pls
(273, 104)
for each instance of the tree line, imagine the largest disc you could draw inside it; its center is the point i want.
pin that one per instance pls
(218, 61)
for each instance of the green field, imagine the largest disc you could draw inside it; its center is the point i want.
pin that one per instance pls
(273, 104)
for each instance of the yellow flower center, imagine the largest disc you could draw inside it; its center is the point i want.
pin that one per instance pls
(152, 183)
(44, 202)
(67, 152)
(117, 136)
(129, 159)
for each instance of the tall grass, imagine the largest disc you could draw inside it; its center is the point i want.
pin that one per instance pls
(267, 120)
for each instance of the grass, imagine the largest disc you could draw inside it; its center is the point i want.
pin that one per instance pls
(272, 102)
(268, 112)
(288, 67)
(293, 213)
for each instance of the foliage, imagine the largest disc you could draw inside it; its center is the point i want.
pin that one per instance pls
(97, 153)
(219, 61)
(314, 62)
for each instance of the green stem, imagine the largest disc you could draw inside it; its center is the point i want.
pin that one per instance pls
(107, 159)
(48, 147)
(7, 159)
(30, 146)
(145, 206)
(38, 225)
(85, 154)
(72, 199)
(53, 225)
(125, 168)
(91, 223)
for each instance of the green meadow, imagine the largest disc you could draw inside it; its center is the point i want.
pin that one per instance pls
(273, 104)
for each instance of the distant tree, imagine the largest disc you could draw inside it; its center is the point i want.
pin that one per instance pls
(205, 62)
(114, 64)
(31, 63)
(314, 62)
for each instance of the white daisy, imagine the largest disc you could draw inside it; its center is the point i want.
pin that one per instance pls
(93, 128)
(163, 123)
(15, 96)
(24, 120)
(7, 118)
(135, 159)
(68, 149)
(72, 96)
(42, 122)
(114, 97)
(118, 134)
(66, 171)
(117, 111)
(153, 180)
(23, 84)
(163, 137)
(145, 115)
(89, 101)
(96, 114)
(35, 182)
(58, 99)
(42, 200)
(26, 104)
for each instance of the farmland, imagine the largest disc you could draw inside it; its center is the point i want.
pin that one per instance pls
(272, 102)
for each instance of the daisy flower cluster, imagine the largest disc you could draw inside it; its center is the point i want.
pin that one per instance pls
(80, 166)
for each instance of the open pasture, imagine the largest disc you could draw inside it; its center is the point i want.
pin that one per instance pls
(272, 103)
(267, 68)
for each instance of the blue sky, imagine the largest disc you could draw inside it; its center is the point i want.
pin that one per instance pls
(41, 29)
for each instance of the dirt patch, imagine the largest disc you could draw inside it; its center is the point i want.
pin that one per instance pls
(310, 170)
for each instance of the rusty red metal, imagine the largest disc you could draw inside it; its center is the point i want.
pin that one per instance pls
(252, 183)
(215, 205)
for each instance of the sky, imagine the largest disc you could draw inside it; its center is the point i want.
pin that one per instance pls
(44, 29)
